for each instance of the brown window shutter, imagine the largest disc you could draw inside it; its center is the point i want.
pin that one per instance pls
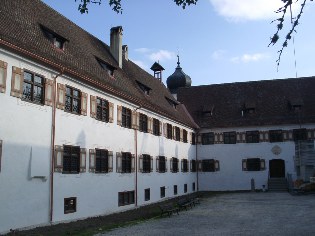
(190, 165)
(140, 163)
(58, 163)
(84, 100)
(238, 137)
(165, 130)
(171, 164)
(199, 139)
(165, 164)
(1, 143)
(111, 112)
(119, 115)
(151, 162)
(135, 120)
(190, 137)
(174, 132)
(49, 89)
(160, 131)
(262, 164)
(216, 165)
(261, 136)
(157, 163)
(92, 160)
(181, 135)
(92, 106)
(244, 164)
(110, 161)
(82, 159)
(118, 162)
(61, 96)
(290, 133)
(150, 125)
(17, 82)
(133, 163)
(199, 165)
(182, 165)
(3, 76)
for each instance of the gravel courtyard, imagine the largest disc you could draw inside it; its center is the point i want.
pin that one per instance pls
(270, 213)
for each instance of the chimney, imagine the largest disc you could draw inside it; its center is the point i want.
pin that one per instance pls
(125, 51)
(116, 44)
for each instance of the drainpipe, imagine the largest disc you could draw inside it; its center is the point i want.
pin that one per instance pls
(197, 164)
(53, 130)
(136, 162)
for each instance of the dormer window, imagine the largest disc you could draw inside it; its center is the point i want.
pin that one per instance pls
(57, 40)
(249, 107)
(172, 102)
(296, 104)
(207, 110)
(145, 89)
(110, 69)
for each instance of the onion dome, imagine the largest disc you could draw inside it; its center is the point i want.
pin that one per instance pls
(178, 79)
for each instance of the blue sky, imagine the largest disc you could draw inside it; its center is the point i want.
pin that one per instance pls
(218, 41)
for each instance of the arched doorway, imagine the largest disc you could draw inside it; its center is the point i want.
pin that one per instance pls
(276, 168)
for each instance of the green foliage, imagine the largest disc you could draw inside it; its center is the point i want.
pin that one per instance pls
(116, 4)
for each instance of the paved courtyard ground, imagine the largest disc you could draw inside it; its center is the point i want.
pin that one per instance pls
(269, 213)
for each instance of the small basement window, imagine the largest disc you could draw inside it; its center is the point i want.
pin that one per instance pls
(70, 205)
(110, 69)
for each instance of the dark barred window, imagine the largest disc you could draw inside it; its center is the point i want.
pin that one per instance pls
(71, 159)
(126, 117)
(33, 88)
(126, 198)
(193, 139)
(146, 162)
(177, 134)
(169, 131)
(143, 123)
(102, 110)
(229, 137)
(156, 127)
(70, 205)
(184, 136)
(174, 164)
(162, 164)
(252, 136)
(207, 138)
(185, 188)
(299, 134)
(73, 98)
(175, 189)
(147, 194)
(101, 161)
(253, 164)
(275, 136)
(208, 165)
(184, 165)
(126, 162)
(162, 191)
(193, 166)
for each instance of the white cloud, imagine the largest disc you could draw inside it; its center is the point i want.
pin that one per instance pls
(141, 64)
(238, 10)
(218, 54)
(162, 55)
(143, 50)
(246, 58)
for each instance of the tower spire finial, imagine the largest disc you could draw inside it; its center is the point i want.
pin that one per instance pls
(178, 63)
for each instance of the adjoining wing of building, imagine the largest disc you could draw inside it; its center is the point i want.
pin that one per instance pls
(84, 131)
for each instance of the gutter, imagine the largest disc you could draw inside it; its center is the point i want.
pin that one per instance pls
(53, 134)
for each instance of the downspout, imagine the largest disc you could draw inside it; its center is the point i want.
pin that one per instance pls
(197, 164)
(53, 130)
(136, 167)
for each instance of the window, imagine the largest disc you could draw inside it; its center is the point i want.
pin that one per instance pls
(185, 188)
(252, 136)
(253, 164)
(54, 38)
(229, 137)
(33, 88)
(73, 98)
(143, 123)
(177, 134)
(184, 163)
(147, 194)
(145, 89)
(126, 198)
(156, 127)
(70, 205)
(207, 138)
(193, 138)
(145, 163)
(275, 136)
(299, 134)
(193, 167)
(172, 102)
(169, 131)
(101, 161)
(126, 117)
(162, 191)
(102, 110)
(175, 189)
(194, 186)
(108, 68)
(184, 136)
(71, 159)
(126, 162)
(208, 165)
(161, 164)
(174, 164)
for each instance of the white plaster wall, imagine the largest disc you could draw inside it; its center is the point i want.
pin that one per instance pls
(25, 129)
(231, 176)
